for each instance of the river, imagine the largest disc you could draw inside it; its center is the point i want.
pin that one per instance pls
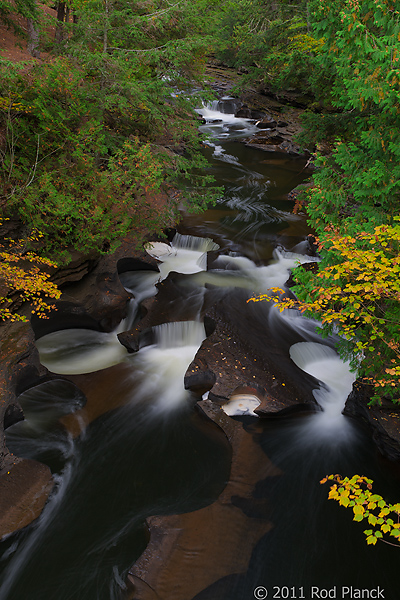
(156, 454)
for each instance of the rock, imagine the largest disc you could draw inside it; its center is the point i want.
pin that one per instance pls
(267, 138)
(237, 355)
(129, 340)
(382, 420)
(200, 381)
(79, 266)
(249, 113)
(19, 369)
(24, 488)
(213, 542)
(267, 122)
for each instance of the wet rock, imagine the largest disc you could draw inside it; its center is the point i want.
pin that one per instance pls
(383, 421)
(249, 113)
(14, 414)
(101, 295)
(200, 381)
(79, 266)
(24, 488)
(267, 122)
(229, 105)
(244, 350)
(19, 368)
(129, 340)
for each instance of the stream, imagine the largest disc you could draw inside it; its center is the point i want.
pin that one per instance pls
(157, 455)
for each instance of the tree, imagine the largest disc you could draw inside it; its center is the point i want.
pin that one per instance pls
(354, 201)
(22, 279)
(9, 10)
(270, 41)
(357, 288)
(91, 134)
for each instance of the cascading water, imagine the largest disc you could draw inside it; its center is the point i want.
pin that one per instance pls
(273, 275)
(220, 124)
(162, 366)
(323, 363)
(187, 254)
(76, 351)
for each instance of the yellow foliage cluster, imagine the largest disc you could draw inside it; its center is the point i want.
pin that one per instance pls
(12, 104)
(356, 290)
(356, 493)
(303, 42)
(22, 277)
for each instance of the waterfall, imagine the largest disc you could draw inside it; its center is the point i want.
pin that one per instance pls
(273, 275)
(323, 363)
(186, 254)
(76, 351)
(162, 366)
(221, 124)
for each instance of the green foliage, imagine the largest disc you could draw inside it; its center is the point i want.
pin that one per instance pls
(272, 41)
(361, 179)
(356, 493)
(89, 136)
(357, 288)
(9, 9)
(353, 204)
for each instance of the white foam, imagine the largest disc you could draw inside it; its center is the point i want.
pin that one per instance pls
(187, 254)
(76, 351)
(241, 405)
(323, 363)
(162, 366)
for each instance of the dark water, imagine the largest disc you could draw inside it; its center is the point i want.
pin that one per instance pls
(129, 465)
(132, 463)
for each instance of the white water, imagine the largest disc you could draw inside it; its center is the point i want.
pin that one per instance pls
(323, 363)
(186, 254)
(241, 405)
(273, 275)
(223, 125)
(162, 366)
(142, 284)
(75, 351)
(317, 359)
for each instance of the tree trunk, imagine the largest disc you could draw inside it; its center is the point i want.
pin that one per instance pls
(106, 25)
(33, 38)
(59, 35)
